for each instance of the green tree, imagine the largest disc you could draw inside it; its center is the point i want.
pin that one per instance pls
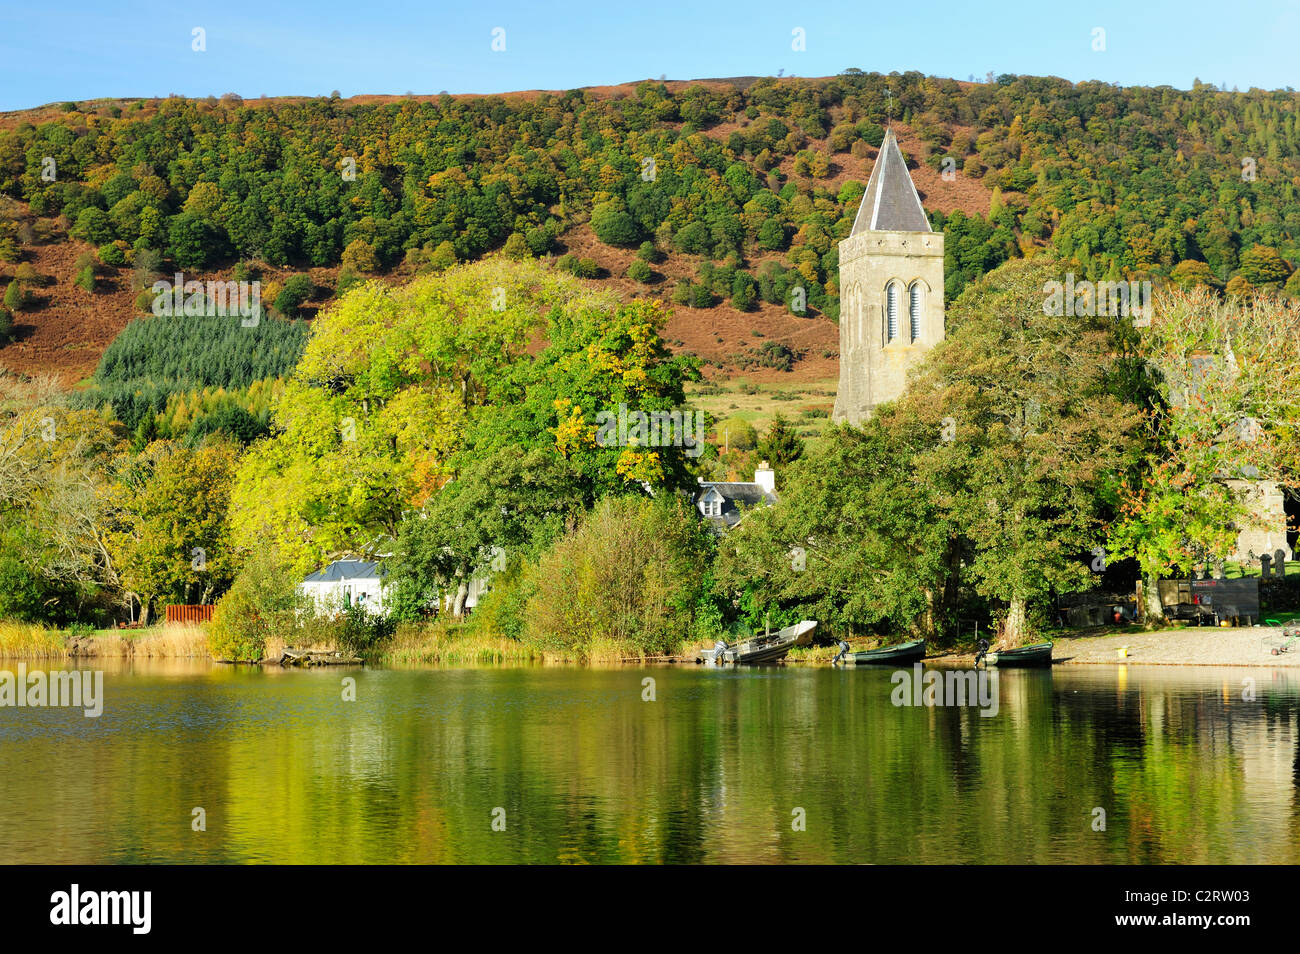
(1264, 267)
(613, 225)
(781, 444)
(1030, 434)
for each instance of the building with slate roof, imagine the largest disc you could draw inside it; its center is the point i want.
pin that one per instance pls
(724, 503)
(344, 583)
(891, 289)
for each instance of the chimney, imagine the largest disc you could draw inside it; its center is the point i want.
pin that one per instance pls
(765, 478)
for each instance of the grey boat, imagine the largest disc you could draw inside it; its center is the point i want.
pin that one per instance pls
(760, 649)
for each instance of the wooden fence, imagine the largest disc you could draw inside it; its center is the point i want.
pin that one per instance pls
(198, 613)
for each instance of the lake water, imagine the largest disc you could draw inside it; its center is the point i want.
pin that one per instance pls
(722, 766)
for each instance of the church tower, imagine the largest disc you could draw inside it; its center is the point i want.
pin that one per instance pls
(891, 289)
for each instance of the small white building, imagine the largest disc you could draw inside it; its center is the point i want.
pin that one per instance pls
(345, 583)
(723, 503)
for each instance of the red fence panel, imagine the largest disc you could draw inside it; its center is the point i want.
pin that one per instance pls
(196, 613)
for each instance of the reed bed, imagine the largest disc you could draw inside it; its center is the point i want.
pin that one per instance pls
(30, 641)
(167, 641)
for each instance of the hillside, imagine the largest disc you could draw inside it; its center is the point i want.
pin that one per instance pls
(754, 180)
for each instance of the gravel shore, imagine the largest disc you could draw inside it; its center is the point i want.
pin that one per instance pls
(1193, 646)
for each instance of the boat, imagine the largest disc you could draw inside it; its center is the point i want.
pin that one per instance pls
(898, 653)
(1039, 654)
(768, 648)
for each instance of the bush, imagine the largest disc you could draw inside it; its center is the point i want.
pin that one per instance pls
(260, 604)
(297, 289)
(85, 279)
(112, 255)
(738, 434)
(582, 601)
(639, 271)
(516, 247)
(360, 256)
(15, 296)
(612, 223)
(1279, 594)
(348, 279)
(362, 630)
(6, 326)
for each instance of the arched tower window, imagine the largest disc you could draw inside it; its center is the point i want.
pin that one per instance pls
(891, 311)
(858, 320)
(915, 302)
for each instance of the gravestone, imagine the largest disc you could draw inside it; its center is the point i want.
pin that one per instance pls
(1264, 562)
(1279, 562)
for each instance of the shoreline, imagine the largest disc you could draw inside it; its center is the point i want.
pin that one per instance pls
(1186, 646)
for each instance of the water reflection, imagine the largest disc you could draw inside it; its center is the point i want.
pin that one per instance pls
(1189, 765)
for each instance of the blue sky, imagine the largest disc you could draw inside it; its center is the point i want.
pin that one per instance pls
(76, 49)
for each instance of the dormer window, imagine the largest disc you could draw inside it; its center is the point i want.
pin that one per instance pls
(711, 504)
(915, 302)
(891, 312)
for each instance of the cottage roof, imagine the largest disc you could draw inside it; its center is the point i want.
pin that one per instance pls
(341, 570)
(737, 497)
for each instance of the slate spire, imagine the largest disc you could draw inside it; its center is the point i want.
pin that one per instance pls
(890, 203)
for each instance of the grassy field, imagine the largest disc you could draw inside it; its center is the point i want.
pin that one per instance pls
(807, 405)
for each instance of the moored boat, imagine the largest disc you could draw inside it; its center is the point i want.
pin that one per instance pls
(1039, 654)
(761, 649)
(892, 655)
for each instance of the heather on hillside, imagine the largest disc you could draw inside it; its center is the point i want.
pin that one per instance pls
(1198, 186)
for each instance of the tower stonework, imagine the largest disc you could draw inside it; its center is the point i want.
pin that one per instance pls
(891, 289)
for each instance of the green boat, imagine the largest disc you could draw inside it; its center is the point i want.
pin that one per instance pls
(892, 655)
(1039, 654)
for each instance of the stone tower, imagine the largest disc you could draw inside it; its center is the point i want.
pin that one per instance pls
(891, 289)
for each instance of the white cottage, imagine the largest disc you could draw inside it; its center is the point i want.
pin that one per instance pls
(724, 502)
(344, 583)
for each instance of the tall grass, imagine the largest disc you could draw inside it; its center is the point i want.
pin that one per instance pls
(30, 641)
(169, 641)
(449, 644)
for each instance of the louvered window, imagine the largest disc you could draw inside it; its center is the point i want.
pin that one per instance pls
(914, 310)
(891, 311)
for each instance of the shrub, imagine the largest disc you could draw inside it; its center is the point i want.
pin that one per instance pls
(260, 604)
(15, 297)
(348, 279)
(297, 289)
(6, 326)
(112, 255)
(738, 434)
(85, 279)
(639, 271)
(582, 600)
(612, 223)
(360, 256)
(516, 247)
(362, 630)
